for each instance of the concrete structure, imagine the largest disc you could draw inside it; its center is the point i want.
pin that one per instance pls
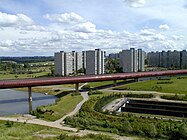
(95, 62)
(67, 63)
(183, 59)
(114, 56)
(169, 59)
(59, 63)
(141, 60)
(132, 60)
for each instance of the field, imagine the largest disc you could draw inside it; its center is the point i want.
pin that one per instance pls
(23, 131)
(175, 85)
(14, 70)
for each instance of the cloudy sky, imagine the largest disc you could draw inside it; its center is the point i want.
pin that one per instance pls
(42, 27)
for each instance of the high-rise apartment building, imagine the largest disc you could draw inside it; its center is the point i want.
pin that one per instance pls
(169, 59)
(67, 63)
(95, 61)
(132, 60)
(141, 60)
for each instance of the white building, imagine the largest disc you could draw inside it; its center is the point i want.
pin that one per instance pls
(67, 63)
(59, 63)
(95, 61)
(132, 60)
(169, 59)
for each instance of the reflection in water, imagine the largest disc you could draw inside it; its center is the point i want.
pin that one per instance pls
(16, 102)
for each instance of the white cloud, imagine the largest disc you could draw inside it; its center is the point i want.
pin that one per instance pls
(67, 18)
(8, 20)
(135, 3)
(81, 35)
(33, 28)
(86, 27)
(177, 37)
(164, 27)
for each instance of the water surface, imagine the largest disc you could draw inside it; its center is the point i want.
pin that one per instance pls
(16, 102)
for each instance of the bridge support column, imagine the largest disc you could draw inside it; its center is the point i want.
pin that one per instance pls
(77, 87)
(136, 79)
(30, 98)
(114, 83)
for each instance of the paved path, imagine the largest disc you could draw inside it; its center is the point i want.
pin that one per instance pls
(77, 108)
(57, 124)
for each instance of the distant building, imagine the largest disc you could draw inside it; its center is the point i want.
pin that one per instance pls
(169, 59)
(132, 60)
(67, 63)
(95, 61)
(114, 56)
(141, 60)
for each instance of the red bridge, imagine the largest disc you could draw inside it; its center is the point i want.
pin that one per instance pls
(81, 79)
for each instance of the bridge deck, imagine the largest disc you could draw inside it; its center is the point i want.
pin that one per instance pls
(82, 79)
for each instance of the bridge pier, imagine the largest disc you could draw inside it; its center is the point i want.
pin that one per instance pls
(77, 87)
(136, 79)
(30, 98)
(114, 83)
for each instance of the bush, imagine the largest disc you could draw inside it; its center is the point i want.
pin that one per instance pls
(75, 93)
(94, 92)
(165, 82)
(9, 123)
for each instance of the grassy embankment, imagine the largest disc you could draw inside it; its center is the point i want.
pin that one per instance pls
(91, 117)
(23, 131)
(65, 104)
(175, 85)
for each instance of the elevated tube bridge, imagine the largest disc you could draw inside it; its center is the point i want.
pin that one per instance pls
(18, 83)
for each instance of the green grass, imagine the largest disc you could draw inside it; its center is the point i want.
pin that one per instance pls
(178, 86)
(54, 112)
(19, 131)
(13, 76)
(103, 83)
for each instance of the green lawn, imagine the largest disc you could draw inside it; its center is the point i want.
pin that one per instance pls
(17, 76)
(54, 112)
(174, 85)
(103, 83)
(20, 131)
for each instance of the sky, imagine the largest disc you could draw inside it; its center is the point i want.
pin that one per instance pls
(42, 27)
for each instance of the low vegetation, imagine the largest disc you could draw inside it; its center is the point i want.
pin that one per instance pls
(13, 130)
(178, 97)
(169, 85)
(62, 107)
(90, 117)
(87, 137)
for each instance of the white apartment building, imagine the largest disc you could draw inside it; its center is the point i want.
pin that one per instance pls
(169, 59)
(95, 62)
(132, 60)
(67, 63)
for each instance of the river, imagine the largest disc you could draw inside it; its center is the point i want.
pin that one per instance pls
(16, 102)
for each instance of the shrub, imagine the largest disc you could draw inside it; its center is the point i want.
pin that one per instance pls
(94, 92)
(165, 82)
